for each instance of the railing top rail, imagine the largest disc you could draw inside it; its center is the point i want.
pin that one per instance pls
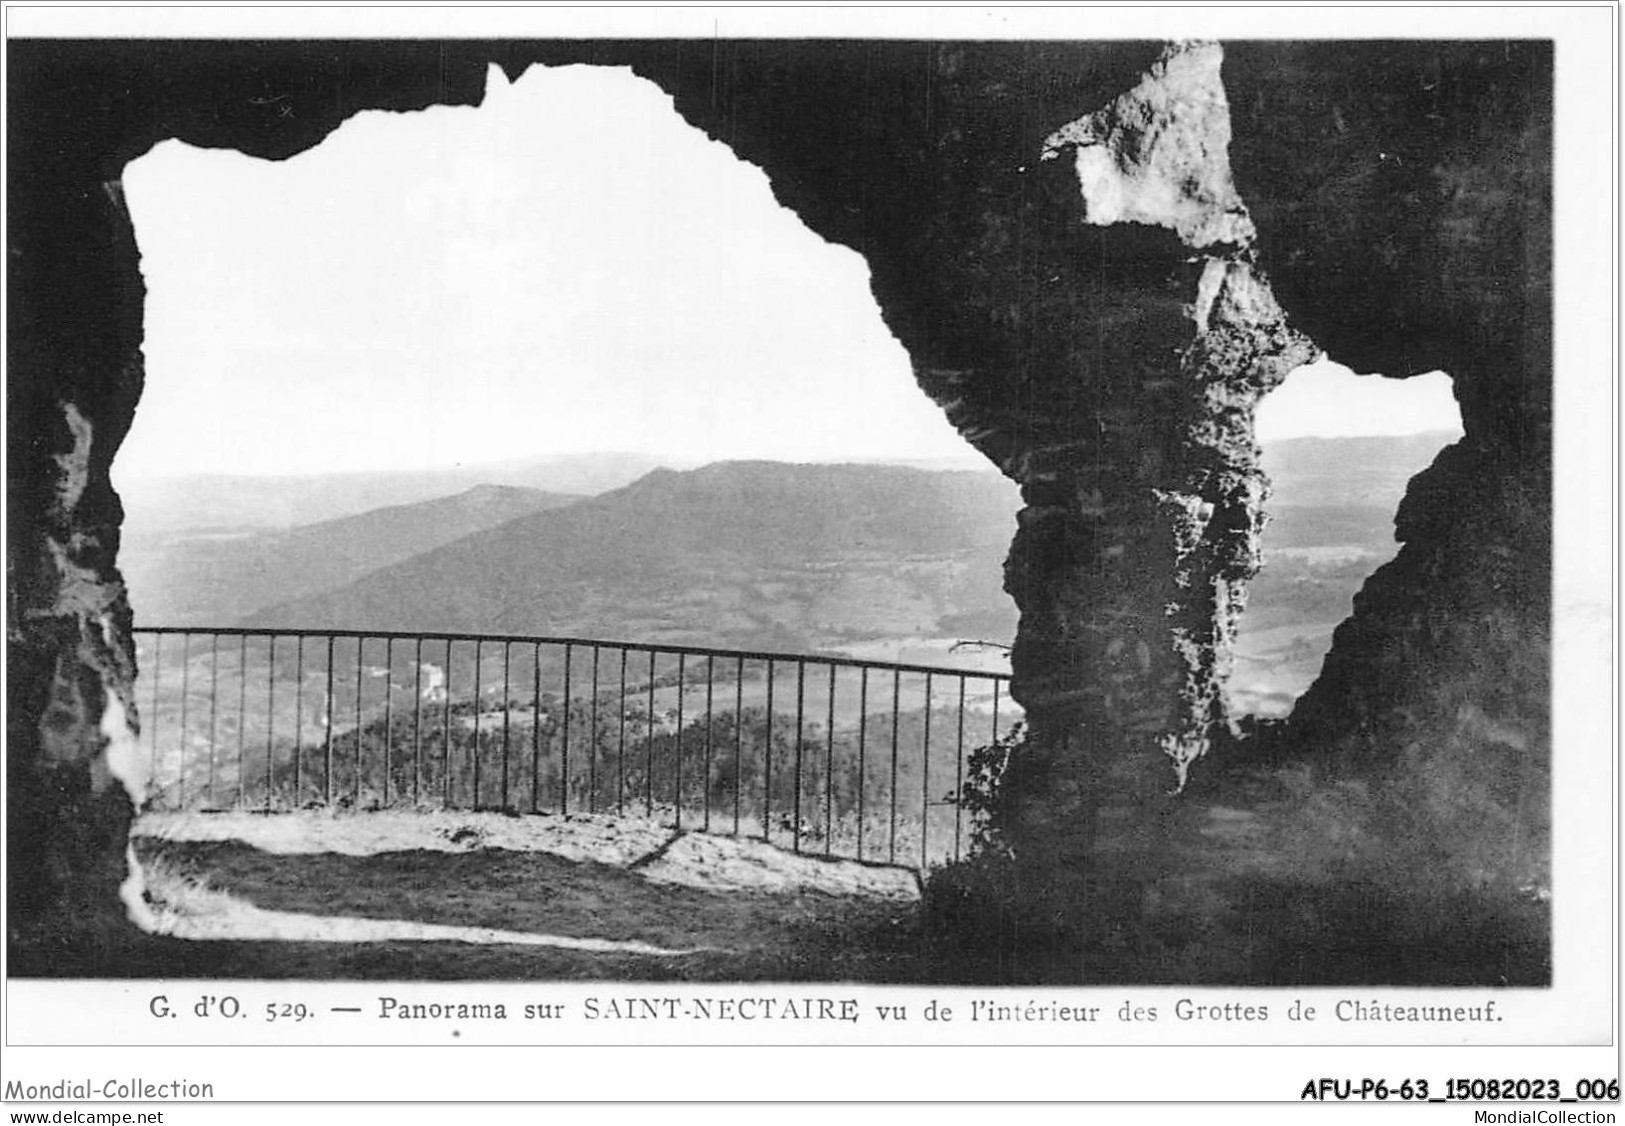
(583, 642)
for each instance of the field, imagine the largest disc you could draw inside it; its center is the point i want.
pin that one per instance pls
(1294, 604)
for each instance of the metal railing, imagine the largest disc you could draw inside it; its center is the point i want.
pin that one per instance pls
(840, 757)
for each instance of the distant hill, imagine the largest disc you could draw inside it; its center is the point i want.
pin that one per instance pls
(737, 553)
(155, 507)
(211, 579)
(749, 554)
(1348, 472)
(1342, 491)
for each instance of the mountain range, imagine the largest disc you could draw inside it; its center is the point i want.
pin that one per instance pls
(749, 554)
(162, 506)
(1361, 472)
(210, 577)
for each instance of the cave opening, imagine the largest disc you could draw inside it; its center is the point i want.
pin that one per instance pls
(1339, 450)
(562, 289)
(356, 356)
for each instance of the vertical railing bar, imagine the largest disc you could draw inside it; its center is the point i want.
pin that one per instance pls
(298, 718)
(536, 730)
(157, 677)
(620, 710)
(592, 753)
(959, 771)
(801, 707)
(739, 737)
(327, 724)
(995, 711)
(829, 770)
(677, 787)
(417, 722)
(863, 733)
(507, 693)
(389, 703)
(445, 742)
(360, 660)
(896, 704)
(270, 719)
(564, 744)
(767, 758)
(649, 747)
(242, 721)
(925, 777)
(710, 735)
(995, 738)
(214, 708)
(479, 703)
(186, 692)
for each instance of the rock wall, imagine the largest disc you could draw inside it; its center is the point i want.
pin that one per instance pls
(1077, 244)
(1405, 191)
(75, 375)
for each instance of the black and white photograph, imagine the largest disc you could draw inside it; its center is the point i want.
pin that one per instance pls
(620, 520)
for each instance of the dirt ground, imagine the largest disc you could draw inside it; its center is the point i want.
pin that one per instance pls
(1257, 877)
(454, 895)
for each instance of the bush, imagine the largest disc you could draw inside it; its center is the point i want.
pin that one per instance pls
(979, 794)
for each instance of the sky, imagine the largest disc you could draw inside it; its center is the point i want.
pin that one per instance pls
(569, 267)
(1327, 400)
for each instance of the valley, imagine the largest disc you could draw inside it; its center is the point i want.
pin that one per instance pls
(862, 562)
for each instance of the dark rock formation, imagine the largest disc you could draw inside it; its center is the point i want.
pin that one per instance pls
(1404, 195)
(1073, 247)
